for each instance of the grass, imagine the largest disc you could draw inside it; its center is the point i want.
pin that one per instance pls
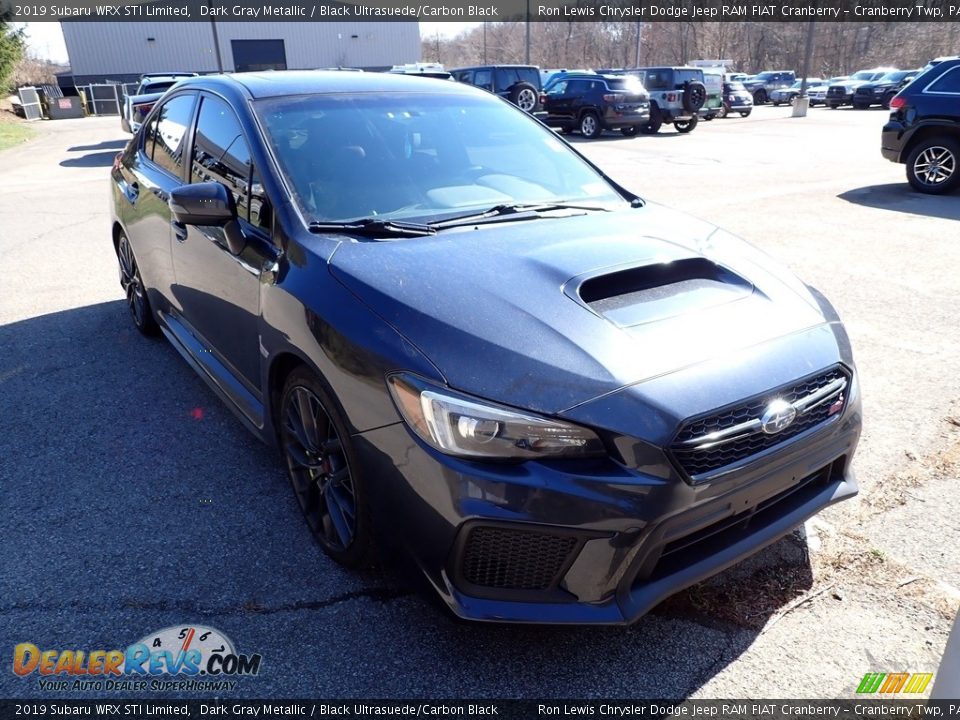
(13, 132)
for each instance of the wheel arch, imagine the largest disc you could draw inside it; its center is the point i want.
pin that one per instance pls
(925, 132)
(281, 366)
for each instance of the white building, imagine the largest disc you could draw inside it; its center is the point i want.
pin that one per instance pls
(122, 51)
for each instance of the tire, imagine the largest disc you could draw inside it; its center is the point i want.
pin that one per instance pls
(933, 165)
(745, 113)
(138, 304)
(860, 106)
(760, 97)
(722, 112)
(566, 131)
(590, 126)
(629, 131)
(886, 100)
(776, 103)
(654, 123)
(324, 471)
(524, 96)
(688, 126)
(708, 118)
(694, 96)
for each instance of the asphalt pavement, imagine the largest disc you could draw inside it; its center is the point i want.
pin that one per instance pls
(133, 500)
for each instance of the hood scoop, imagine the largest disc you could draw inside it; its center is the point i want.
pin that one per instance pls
(634, 296)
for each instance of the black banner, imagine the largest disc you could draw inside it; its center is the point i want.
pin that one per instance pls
(487, 10)
(509, 709)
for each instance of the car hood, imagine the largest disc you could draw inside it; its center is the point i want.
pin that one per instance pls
(547, 314)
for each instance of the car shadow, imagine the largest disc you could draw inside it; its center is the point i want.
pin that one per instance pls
(105, 145)
(902, 198)
(90, 160)
(136, 501)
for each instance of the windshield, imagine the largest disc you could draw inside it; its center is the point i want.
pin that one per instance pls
(155, 87)
(864, 75)
(420, 156)
(895, 76)
(764, 76)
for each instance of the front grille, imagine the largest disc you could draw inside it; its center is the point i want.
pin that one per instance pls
(701, 446)
(836, 92)
(512, 559)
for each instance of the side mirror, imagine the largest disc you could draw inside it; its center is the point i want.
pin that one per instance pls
(208, 204)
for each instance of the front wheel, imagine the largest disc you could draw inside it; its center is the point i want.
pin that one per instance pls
(324, 470)
(760, 97)
(776, 103)
(590, 126)
(722, 112)
(629, 131)
(932, 166)
(137, 302)
(685, 127)
(745, 113)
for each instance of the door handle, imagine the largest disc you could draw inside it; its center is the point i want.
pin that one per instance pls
(179, 230)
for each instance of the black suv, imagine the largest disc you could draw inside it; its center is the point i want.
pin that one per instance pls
(676, 96)
(520, 84)
(594, 103)
(924, 129)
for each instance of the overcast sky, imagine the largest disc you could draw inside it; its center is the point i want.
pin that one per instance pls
(45, 40)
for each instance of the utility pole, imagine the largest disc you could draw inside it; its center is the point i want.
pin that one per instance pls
(216, 42)
(802, 102)
(484, 42)
(528, 33)
(636, 61)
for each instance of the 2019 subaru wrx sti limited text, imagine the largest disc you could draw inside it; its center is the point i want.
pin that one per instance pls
(565, 403)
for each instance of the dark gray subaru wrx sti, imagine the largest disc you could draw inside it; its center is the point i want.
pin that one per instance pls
(563, 402)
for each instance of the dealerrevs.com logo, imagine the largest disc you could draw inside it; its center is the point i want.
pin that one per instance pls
(180, 657)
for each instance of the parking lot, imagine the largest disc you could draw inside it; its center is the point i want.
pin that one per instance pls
(133, 499)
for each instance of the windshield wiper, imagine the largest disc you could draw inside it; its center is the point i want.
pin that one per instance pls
(374, 227)
(532, 210)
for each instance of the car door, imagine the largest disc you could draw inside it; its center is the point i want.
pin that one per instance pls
(558, 103)
(154, 170)
(218, 291)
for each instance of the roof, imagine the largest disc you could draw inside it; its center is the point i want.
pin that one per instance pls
(314, 82)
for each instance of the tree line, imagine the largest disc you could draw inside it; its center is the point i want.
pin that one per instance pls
(840, 48)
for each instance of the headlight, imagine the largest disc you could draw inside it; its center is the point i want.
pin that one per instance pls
(459, 425)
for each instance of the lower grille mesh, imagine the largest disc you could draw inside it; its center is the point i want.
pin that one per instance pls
(515, 559)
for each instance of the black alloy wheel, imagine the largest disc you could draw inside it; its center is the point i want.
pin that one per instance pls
(323, 471)
(137, 303)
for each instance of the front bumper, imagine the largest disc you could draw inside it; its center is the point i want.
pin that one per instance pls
(592, 541)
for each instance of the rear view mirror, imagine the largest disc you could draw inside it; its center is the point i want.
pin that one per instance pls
(208, 204)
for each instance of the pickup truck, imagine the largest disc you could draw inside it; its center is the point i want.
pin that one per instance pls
(152, 87)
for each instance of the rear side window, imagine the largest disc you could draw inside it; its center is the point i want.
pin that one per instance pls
(506, 78)
(221, 153)
(529, 75)
(483, 79)
(164, 141)
(949, 82)
(657, 80)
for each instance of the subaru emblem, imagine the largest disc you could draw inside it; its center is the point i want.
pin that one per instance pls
(778, 416)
